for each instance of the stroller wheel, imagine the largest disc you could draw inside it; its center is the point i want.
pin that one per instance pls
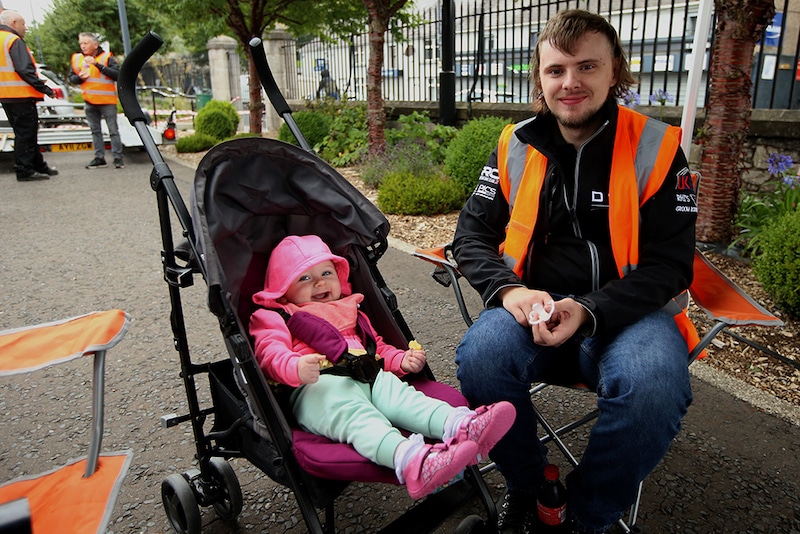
(229, 506)
(180, 504)
(472, 524)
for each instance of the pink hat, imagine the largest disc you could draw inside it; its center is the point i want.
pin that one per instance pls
(292, 257)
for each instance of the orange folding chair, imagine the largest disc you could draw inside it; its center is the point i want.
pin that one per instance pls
(79, 496)
(725, 304)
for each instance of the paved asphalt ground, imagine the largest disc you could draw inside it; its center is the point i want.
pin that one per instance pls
(89, 240)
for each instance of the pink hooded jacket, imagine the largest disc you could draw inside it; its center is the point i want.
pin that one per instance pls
(276, 351)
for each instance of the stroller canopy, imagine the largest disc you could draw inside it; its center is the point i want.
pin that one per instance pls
(251, 193)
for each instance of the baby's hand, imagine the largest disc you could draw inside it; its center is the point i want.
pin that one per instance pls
(413, 359)
(308, 368)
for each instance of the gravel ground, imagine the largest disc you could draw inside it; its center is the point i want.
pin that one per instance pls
(90, 240)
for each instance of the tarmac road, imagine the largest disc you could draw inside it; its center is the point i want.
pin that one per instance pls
(89, 240)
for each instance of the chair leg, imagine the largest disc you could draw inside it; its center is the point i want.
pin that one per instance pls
(330, 518)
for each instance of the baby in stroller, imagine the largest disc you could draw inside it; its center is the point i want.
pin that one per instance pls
(309, 334)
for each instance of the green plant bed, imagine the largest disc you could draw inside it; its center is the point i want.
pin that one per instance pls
(404, 193)
(195, 143)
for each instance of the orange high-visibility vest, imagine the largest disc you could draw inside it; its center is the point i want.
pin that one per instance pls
(644, 150)
(97, 89)
(11, 83)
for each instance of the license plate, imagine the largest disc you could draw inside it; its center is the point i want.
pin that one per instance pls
(66, 147)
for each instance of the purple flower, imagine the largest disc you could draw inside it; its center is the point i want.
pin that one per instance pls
(630, 98)
(791, 181)
(661, 96)
(778, 164)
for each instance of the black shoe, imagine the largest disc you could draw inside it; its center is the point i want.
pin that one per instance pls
(516, 512)
(118, 163)
(50, 171)
(34, 176)
(97, 163)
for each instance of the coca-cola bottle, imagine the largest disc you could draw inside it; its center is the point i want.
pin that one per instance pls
(551, 500)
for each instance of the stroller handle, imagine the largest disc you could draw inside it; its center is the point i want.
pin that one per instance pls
(274, 93)
(267, 80)
(129, 70)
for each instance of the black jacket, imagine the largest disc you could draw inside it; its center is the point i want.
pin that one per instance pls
(573, 214)
(21, 58)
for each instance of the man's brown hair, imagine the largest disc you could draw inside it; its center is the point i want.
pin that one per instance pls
(562, 32)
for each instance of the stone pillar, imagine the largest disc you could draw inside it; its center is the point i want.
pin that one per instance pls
(278, 46)
(223, 63)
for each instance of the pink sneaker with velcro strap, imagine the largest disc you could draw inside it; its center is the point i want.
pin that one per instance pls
(486, 427)
(435, 465)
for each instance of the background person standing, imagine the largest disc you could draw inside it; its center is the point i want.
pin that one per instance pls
(96, 71)
(20, 89)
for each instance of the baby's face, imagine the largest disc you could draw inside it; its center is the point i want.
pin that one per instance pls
(320, 283)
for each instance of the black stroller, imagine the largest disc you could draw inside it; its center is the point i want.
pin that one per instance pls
(248, 195)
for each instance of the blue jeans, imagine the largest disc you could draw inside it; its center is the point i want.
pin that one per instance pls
(641, 377)
(93, 116)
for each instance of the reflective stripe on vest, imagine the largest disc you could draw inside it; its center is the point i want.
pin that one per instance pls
(644, 148)
(97, 89)
(11, 83)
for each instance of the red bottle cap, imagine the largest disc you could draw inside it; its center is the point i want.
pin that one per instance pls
(551, 472)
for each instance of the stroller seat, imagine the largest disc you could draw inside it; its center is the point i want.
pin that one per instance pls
(324, 458)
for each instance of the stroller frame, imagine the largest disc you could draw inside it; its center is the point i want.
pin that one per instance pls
(214, 483)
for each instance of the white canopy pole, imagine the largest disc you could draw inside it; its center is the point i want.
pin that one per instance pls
(701, 33)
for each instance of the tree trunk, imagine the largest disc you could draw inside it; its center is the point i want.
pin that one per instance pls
(376, 118)
(256, 104)
(739, 25)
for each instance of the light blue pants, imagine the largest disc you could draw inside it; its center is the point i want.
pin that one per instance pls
(346, 410)
(641, 377)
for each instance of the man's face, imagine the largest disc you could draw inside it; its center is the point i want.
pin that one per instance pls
(575, 86)
(88, 46)
(18, 25)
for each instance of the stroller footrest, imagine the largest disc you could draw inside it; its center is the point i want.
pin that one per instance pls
(172, 419)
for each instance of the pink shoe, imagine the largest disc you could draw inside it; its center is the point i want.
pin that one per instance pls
(487, 426)
(435, 465)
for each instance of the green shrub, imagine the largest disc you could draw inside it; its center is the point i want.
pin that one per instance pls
(777, 266)
(405, 193)
(314, 125)
(468, 152)
(346, 143)
(418, 128)
(217, 119)
(221, 105)
(406, 156)
(195, 143)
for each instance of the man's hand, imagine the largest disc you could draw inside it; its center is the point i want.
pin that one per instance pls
(567, 319)
(308, 368)
(413, 361)
(519, 301)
